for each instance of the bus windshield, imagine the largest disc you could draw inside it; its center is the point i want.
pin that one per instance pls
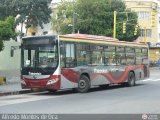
(40, 56)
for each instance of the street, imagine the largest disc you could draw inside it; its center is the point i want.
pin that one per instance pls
(140, 99)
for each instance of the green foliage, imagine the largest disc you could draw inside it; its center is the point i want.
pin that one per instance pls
(33, 12)
(1, 45)
(7, 9)
(63, 19)
(6, 29)
(37, 12)
(96, 17)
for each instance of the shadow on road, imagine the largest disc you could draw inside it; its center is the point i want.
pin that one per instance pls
(112, 87)
(95, 89)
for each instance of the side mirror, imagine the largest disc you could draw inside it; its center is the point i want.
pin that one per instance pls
(12, 50)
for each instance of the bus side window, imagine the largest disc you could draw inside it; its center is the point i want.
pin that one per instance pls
(130, 56)
(62, 55)
(70, 55)
(83, 54)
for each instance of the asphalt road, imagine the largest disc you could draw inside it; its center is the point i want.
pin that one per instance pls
(140, 99)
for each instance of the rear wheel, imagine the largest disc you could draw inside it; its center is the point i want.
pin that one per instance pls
(131, 79)
(83, 84)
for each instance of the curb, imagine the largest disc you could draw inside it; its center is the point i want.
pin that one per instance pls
(15, 92)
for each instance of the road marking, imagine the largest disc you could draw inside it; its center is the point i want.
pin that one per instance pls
(156, 80)
(15, 99)
(151, 80)
(146, 80)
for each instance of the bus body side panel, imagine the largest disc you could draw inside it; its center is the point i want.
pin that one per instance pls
(142, 72)
(69, 78)
(100, 75)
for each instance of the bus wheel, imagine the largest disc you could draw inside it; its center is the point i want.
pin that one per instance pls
(131, 79)
(83, 84)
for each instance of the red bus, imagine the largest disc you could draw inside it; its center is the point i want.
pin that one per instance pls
(80, 61)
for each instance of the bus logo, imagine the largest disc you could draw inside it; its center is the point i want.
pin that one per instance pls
(34, 74)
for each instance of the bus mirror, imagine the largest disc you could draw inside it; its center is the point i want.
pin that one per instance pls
(12, 50)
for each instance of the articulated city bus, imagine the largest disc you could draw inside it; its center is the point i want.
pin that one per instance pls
(80, 61)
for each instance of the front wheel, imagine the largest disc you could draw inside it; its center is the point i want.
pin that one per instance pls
(131, 79)
(83, 84)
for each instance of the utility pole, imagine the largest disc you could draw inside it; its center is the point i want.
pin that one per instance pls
(114, 28)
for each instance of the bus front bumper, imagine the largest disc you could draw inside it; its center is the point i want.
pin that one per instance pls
(50, 83)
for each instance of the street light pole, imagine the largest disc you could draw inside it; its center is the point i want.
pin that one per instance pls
(114, 28)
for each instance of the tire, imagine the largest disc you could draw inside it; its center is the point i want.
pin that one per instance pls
(83, 84)
(131, 79)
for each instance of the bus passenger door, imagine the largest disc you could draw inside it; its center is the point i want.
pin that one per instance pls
(68, 59)
(117, 70)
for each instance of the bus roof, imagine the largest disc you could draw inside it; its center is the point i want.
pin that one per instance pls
(89, 37)
(98, 39)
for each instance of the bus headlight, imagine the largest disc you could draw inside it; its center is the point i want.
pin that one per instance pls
(50, 82)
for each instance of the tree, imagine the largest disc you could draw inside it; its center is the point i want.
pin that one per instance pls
(36, 12)
(62, 20)
(96, 17)
(1, 45)
(7, 9)
(32, 12)
(6, 30)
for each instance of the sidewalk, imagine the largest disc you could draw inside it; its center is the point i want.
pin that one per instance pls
(12, 89)
(13, 84)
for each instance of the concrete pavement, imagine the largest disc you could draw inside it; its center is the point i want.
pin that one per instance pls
(12, 83)
(12, 89)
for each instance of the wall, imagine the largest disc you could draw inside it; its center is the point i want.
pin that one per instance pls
(145, 6)
(154, 54)
(10, 66)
